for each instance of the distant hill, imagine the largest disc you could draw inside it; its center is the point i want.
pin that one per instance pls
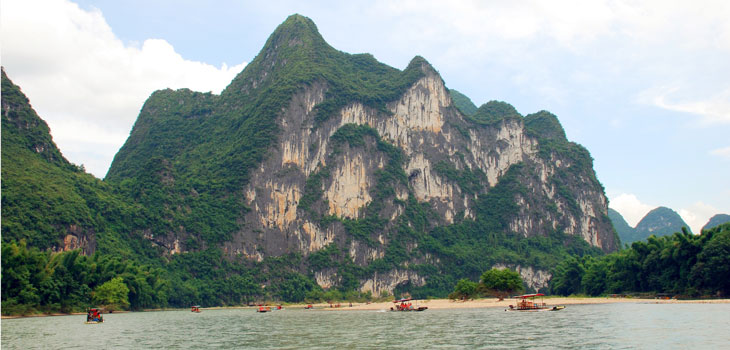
(716, 220)
(661, 221)
(625, 232)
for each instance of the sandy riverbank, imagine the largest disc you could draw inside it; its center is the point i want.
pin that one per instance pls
(443, 304)
(493, 302)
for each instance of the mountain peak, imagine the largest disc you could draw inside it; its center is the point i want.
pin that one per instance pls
(295, 46)
(661, 221)
(22, 127)
(295, 30)
(716, 220)
(544, 124)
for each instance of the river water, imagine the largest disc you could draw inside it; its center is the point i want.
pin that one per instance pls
(607, 326)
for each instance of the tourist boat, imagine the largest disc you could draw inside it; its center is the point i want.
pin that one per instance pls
(94, 316)
(264, 309)
(405, 304)
(195, 308)
(527, 302)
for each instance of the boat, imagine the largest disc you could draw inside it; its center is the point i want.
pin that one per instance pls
(195, 308)
(264, 309)
(309, 307)
(94, 316)
(527, 302)
(406, 305)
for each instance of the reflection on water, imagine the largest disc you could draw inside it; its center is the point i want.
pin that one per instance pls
(609, 326)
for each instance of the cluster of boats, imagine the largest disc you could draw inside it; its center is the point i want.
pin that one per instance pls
(527, 302)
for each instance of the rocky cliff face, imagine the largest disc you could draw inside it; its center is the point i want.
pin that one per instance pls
(352, 175)
(425, 127)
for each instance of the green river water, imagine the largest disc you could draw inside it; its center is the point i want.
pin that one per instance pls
(607, 326)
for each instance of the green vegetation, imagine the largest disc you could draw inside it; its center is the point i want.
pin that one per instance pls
(624, 231)
(544, 125)
(112, 295)
(494, 111)
(465, 289)
(497, 282)
(680, 264)
(35, 281)
(470, 181)
(501, 282)
(462, 103)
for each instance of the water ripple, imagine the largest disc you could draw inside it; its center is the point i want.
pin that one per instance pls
(609, 326)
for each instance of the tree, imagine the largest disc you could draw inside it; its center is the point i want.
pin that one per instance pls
(501, 282)
(713, 268)
(567, 277)
(464, 289)
(594, 280)
(113, 294)
(295, 287)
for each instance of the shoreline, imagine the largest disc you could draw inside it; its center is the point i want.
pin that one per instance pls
(434, 304)
(437, 304)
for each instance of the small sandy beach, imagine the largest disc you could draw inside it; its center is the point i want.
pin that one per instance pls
(493, 302)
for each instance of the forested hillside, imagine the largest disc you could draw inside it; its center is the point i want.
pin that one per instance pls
(680, 264)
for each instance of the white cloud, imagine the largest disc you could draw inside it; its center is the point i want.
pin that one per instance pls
(86, 83)
(721, 152)
(697, 215)
(644, 44)
(630, 207)
(713, 109)
(566, 21)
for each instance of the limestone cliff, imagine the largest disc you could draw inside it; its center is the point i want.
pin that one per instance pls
(313, 148)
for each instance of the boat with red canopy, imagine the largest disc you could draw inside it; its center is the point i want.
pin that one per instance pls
(528, 302)
(94, 316)
(405, 304)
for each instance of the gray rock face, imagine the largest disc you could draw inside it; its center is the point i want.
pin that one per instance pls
(534, 279)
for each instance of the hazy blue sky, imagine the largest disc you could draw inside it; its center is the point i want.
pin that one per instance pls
(644, 85)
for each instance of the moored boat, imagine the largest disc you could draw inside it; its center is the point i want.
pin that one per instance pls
(264, 309)
(94, 316)
(406, 304)
(528, 302)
